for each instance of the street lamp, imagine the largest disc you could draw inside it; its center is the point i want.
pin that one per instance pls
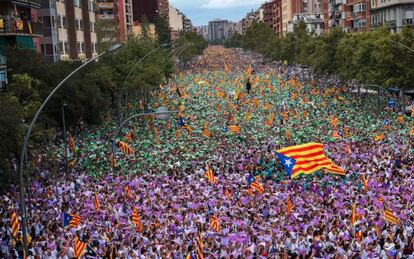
(121, 94)
(402, 45)
(64, 136)
(114, 138)
(27, 136)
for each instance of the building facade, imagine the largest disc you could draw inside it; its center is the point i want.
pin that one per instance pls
(395, 13)
(150, 9)
(20, 25)
(175, 21)
(252, 17)
(69, 29)
(272, 16)
(220, 30)
(203, 31)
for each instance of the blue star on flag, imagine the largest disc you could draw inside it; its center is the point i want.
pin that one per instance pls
(287, 162)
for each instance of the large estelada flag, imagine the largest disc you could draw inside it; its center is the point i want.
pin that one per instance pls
(306, 159)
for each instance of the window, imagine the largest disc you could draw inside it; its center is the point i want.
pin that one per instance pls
(91, 6)
(61, 47)
(77, 3)
(92, 25)
(94, 47)
(81, 47)
(64, 22)
(81, 25)
(46, 21)
(59, 21)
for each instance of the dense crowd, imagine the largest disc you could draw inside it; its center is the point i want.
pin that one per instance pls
(164, 179)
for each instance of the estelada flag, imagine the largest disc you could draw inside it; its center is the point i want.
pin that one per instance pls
(306, 159)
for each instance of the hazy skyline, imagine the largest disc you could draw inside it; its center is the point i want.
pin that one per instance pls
(202, 11)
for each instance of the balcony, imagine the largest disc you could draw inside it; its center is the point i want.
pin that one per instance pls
(105, 5)
(28, 3)
(12, 27)
(106, 16)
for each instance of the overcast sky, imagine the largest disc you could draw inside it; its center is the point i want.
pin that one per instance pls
(202, 11)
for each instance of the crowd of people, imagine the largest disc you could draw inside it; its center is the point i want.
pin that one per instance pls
(164, 178)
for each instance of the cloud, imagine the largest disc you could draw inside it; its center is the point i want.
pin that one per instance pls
(219, 4)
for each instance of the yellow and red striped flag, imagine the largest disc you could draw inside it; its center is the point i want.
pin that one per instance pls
(210, 175)
(335, 134)
(206, 131)
(254, 184)
(127, 191)
(137, 220)
(269, 121)
(334, 121)
(348, 148)
(227, 193)
(214, 223)
(234, 129)
(289, 206)
(200, 246)
(188, 128)
(353, 214)
(15, 225)
(390, 217)
(250, 191)
(125, 148)
(129, 136)
(255, 103)
(79, 247)
(306, 159)
(364, 182)
(379, 137)
(71, 143)
(177, 134)
(96, 201)
(247, 116)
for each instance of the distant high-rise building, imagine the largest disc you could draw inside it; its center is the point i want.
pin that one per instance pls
(253, 16)
(395, 13)
(203, 31)
(149, 9)
(272, 16)
(68, 29)
(219, 30)
(176, 22)
(115, 19)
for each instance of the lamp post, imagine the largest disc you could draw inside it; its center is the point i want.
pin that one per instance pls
(402, 45)
(27, 136)
(64, 136)
(115, 136)
(123, 87)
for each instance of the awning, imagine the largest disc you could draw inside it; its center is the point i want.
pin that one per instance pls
(25, 42)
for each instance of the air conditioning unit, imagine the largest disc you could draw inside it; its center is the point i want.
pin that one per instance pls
(81, 56)
(64, 57)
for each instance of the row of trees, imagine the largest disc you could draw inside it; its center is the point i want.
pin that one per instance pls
(375, 57)
(90, 96)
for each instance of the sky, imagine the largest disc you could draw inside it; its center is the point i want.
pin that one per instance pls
(202, 11)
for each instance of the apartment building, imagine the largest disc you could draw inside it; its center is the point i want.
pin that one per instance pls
(272, 16)
(395, 13)
(20, 25)
(69, 29)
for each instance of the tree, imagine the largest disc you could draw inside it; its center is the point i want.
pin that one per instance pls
(163, 29)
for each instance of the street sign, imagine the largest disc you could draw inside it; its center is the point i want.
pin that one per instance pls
(392, 103)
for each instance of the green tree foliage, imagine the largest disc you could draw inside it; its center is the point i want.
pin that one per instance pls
(193, 44)
(90, 95)
(162, 28)
(234, 41)
(370, 58)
